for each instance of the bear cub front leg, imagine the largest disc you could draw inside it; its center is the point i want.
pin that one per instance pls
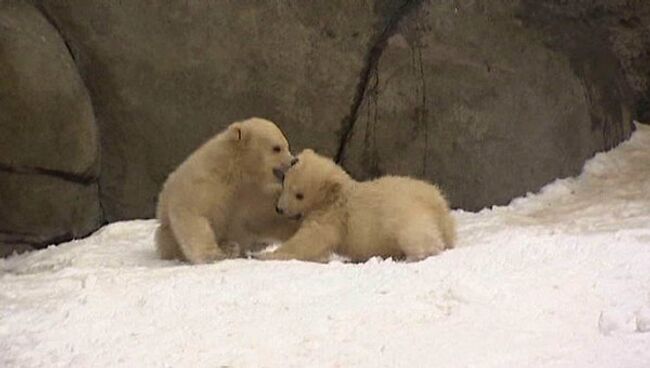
(312, 243)
(196, 238)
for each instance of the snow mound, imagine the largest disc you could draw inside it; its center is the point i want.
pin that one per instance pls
(560, 278)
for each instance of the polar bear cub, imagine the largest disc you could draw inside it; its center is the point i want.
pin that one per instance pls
(224, 194)
(392, 216)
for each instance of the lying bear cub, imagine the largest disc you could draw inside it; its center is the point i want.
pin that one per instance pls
(392, 216)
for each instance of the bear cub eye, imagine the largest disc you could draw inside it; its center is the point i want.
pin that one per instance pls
(299, 196)
(277, 149)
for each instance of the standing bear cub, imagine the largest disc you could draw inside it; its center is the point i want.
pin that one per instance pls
(224, 194)
(389, 217)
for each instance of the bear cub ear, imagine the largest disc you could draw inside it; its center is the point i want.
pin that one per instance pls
(236, 132)
(331, 189)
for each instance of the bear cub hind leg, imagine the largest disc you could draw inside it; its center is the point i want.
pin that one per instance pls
(420, 239)
(167, 246)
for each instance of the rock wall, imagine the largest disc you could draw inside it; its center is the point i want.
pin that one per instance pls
(469, 95)
(490, 99)
(49, 152)
(585, 29)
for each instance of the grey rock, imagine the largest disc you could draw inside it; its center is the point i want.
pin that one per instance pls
(49, 155)
(470, 96)
(582, 28)
(7, 250)
(40, 210)
(47, 119)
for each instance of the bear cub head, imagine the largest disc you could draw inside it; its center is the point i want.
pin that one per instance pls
(312, 183)
(263, 148)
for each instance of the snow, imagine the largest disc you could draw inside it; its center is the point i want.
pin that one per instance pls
(560, 278)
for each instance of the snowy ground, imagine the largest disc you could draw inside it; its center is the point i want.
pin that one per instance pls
(556, 279)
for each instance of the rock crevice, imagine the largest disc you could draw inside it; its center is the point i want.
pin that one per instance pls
(370, 66)
(62, 175)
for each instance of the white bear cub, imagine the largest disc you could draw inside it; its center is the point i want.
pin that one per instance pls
(391, 216)
(223, 195)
